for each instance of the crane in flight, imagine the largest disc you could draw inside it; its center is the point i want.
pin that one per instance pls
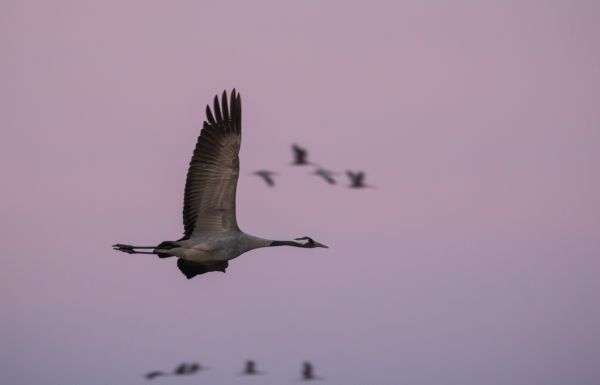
(211, 234)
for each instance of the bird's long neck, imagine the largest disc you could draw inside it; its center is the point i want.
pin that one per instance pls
(253, 242)
(285, 243)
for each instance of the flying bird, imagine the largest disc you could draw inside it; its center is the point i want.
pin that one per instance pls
(307, 372)
(186, 368)
(152, 375)
(181, 369)
(267, 176)
(211, 234)
(325, 174)
(357, 179)
(300, 155)
(195, 367)
(250, 368)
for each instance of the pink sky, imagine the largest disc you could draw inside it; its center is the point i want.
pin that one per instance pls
(476, 260)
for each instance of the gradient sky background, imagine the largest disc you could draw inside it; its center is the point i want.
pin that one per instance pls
(476, 260)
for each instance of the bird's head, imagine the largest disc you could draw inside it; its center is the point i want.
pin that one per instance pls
(309, 243)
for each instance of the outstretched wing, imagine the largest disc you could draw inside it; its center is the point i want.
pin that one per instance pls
(209, 201)
(268, 179)
(329, 179)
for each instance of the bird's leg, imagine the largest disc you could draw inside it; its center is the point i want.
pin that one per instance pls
(129, 249)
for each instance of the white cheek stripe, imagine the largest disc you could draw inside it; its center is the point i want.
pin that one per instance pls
(301, 241)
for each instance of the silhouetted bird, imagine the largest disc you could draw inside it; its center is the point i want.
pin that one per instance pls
(186, 368)
(181, 369)
(250, 368)
(152, 375)
(325, 174)
(211, 233)
(307, 372)
(300, 156)
(195, 367)
(267, 176)
(357, 179)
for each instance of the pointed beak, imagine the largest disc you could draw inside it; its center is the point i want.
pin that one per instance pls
(317, 244)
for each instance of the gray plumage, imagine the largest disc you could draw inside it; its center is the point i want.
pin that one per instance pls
(211, 234)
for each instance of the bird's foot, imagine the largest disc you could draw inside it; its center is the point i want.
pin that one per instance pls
(124, 248)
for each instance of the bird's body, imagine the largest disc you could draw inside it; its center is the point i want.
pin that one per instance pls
(211, 233)
(216, 247)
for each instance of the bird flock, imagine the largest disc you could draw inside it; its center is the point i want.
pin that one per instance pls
(300, 155)
(185, 369)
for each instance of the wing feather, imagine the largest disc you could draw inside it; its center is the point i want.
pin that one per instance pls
(210, 188)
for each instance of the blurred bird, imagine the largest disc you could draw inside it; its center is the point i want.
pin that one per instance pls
(357, 179)
(300, 156)
(267, 176)
(152, 375)
(211, 233)
(195, 367)
(250, 368)
(186, 368)
(307, 372)
(325, 174)
(181, 369)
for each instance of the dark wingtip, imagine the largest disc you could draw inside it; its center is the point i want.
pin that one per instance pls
(238, 109)
(225, 106)
(227, 109)
(217, 109)
(209, 115)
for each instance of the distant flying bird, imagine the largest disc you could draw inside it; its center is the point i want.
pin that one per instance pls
(300, 155)
(195, 367)
(250, 368)
(152, 375)
(307, 372)
(267, 176)
(211, 233)
(325, 174)
(186, 368)
(357, 179)
(181, 369)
